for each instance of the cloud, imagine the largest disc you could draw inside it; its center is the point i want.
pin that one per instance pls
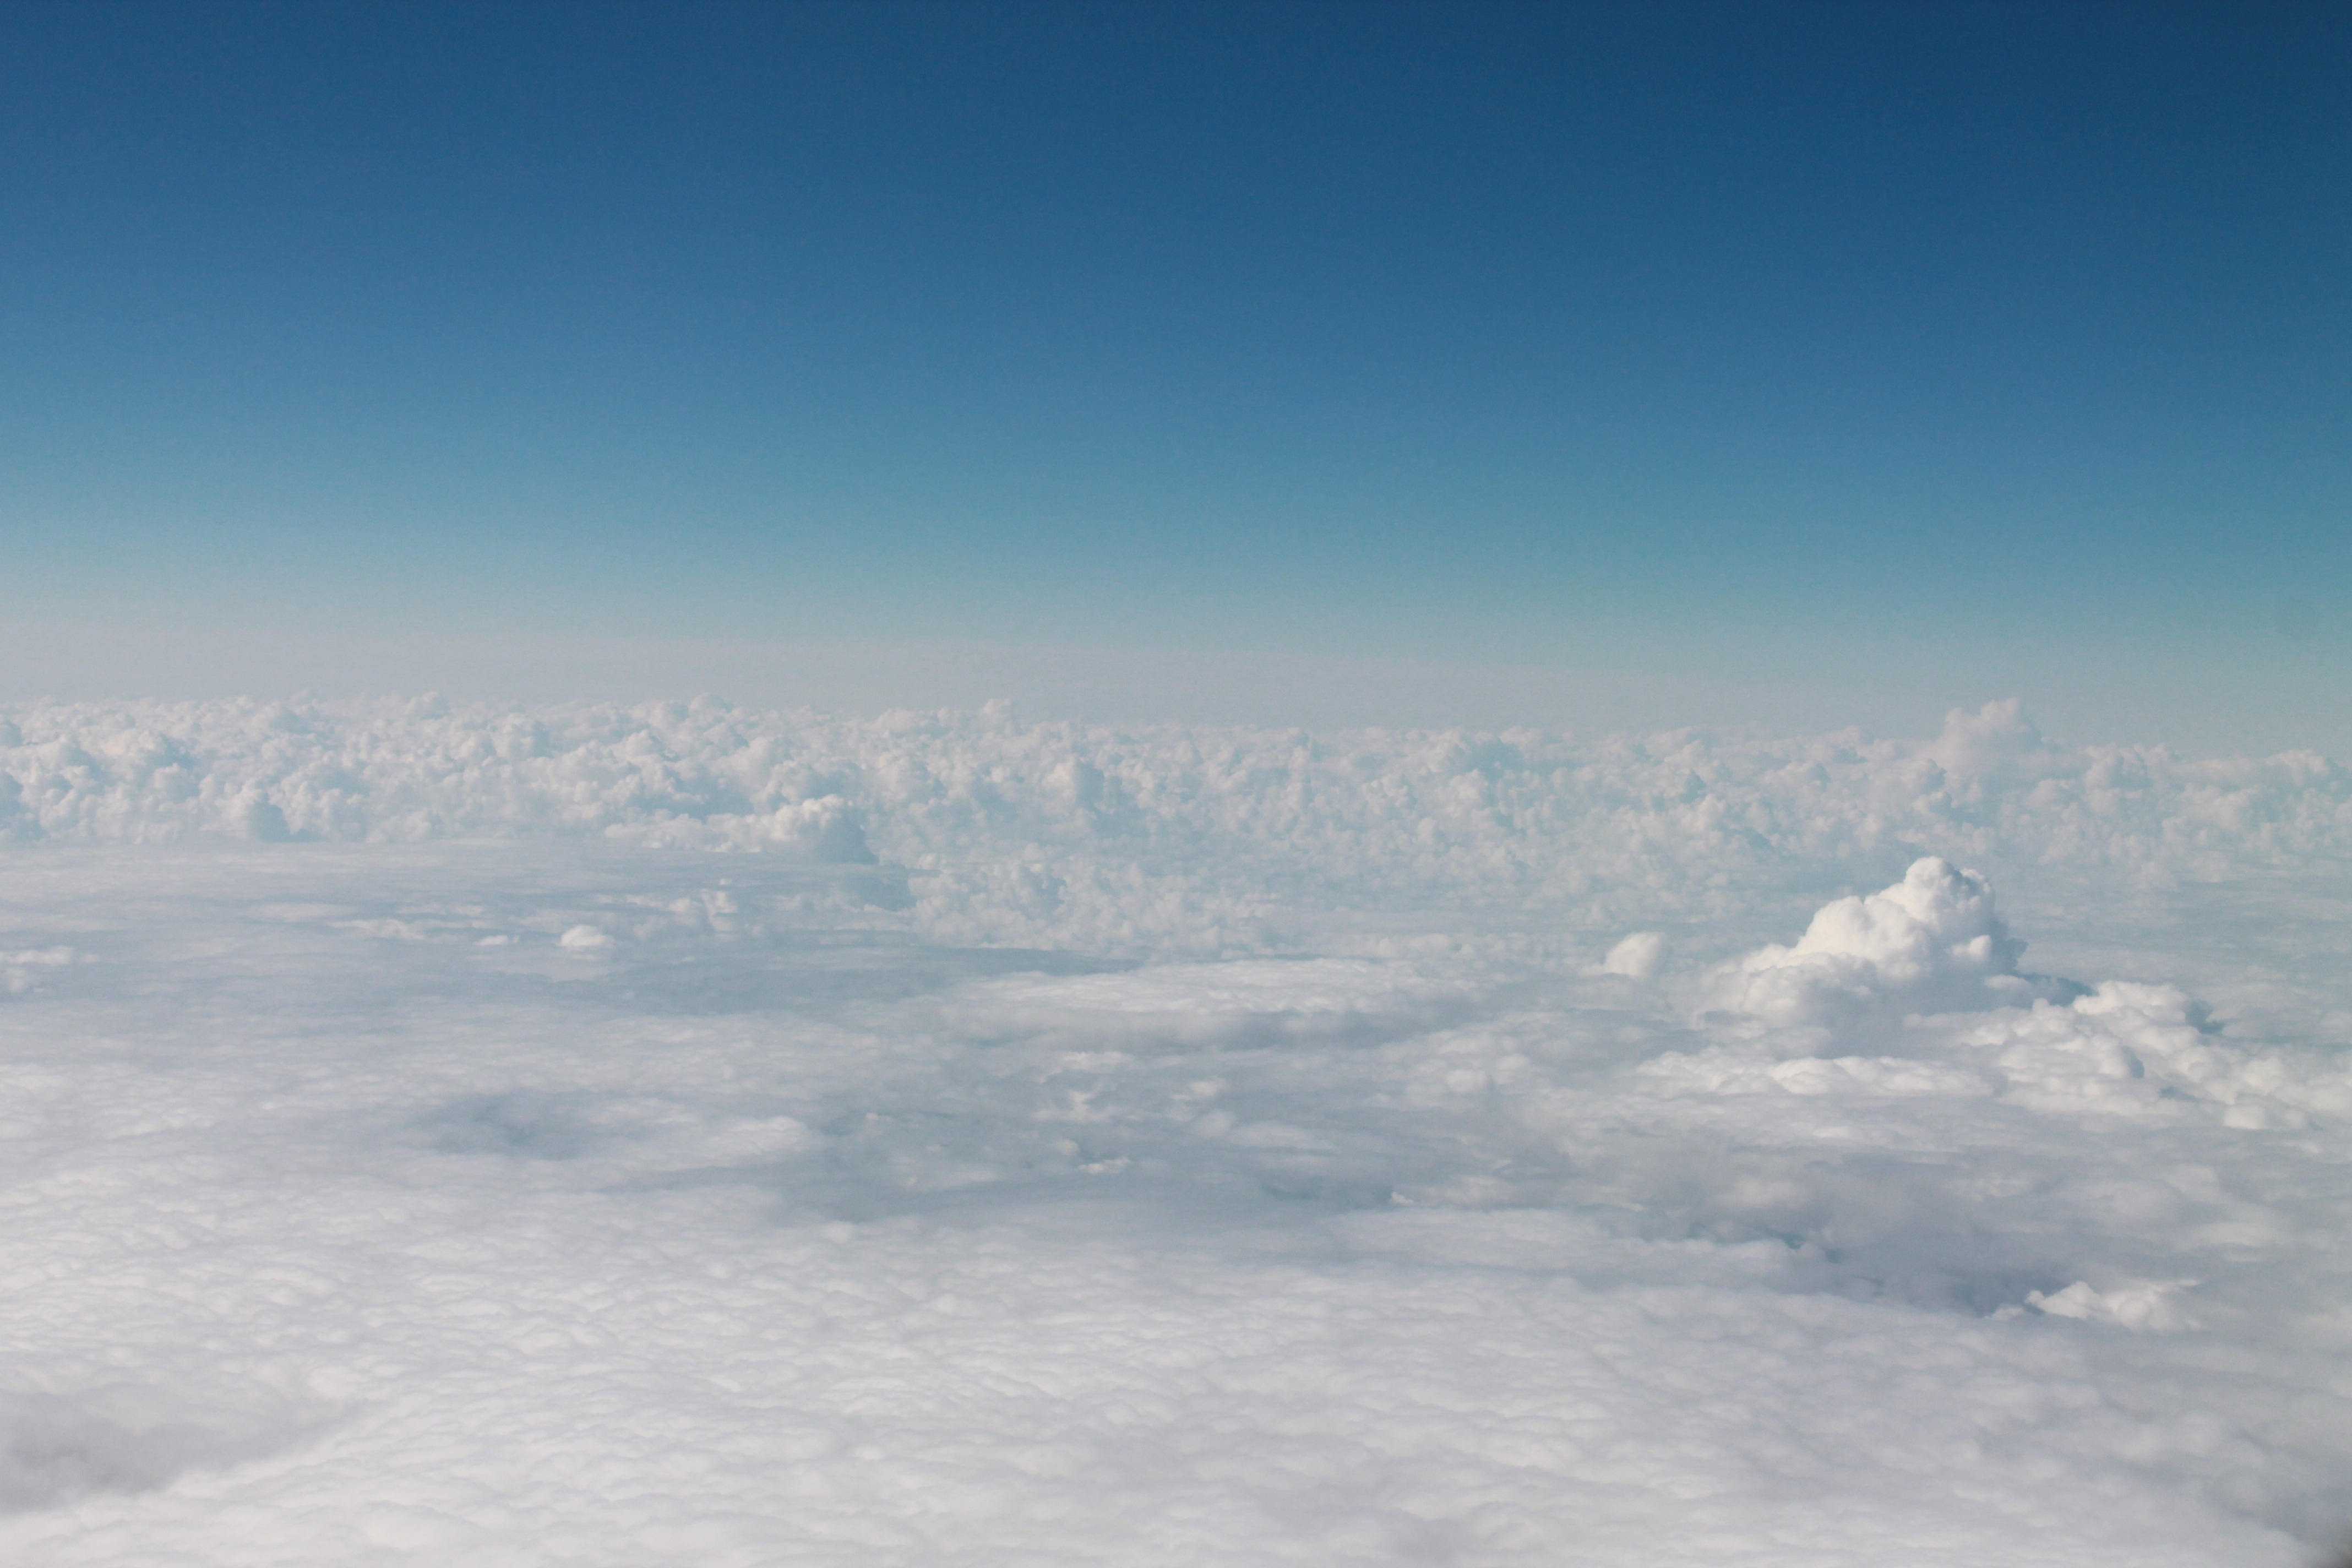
(2143, 1306)
(1182, 1145)
(1637, 956)
(117, 1439)
(1158, 840)
(1932, 942)
(2130, 1048)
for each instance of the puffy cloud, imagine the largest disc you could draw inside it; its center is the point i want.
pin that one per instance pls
(2142, 1306)
(2130, 1048)
(1996, 743)
(1157, 840)
(1636, 957)
(1932, 942)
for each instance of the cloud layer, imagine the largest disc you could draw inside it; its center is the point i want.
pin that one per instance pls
(1314, 1164)
(1144, 839)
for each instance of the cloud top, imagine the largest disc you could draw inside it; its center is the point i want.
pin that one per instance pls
(1931, 943)
(1152, 840)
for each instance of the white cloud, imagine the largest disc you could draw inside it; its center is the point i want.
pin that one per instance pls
(1932, 942)
(1637, 956)
(1174, 1146)
(2143, 1306)
(2136, 1049)
(1158, 839)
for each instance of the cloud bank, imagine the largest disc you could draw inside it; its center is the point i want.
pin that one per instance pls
(1143, 838)
(1040, 1144)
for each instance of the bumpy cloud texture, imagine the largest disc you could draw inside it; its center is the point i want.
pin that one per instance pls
(1040, 1144)
(1150, 839)
(1930, 943)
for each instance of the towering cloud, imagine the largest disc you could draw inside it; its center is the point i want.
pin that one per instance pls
(1932, 942)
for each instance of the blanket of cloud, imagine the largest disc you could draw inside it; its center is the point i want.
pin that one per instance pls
(1035, 1144)
(1157, 840)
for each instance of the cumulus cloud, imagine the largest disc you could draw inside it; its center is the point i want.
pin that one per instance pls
(1934, 943)
(2130, 1048)
(1156, 840)
(1931, 943)
(1994, 745)
(1637, 956)
(2142, 1306)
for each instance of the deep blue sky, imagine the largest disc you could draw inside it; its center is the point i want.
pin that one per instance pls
(1706, 338)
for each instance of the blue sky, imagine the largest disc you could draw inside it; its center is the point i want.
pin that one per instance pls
(1919, 354)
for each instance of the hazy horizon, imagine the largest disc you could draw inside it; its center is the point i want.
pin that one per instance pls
(1985, 352)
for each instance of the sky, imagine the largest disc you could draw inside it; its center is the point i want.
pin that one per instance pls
(1366, 363)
